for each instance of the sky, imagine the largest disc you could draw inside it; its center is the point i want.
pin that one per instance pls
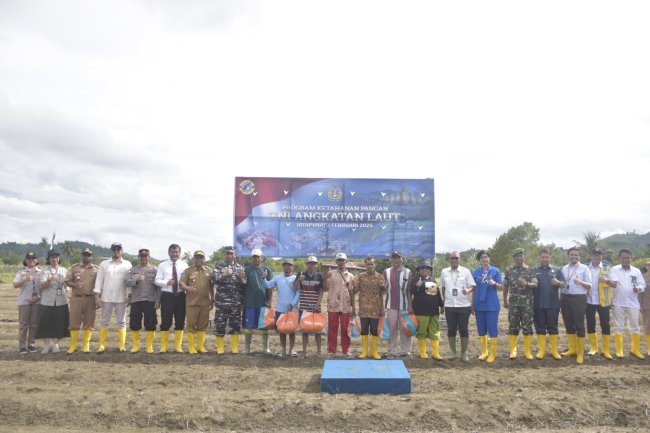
(128, 120)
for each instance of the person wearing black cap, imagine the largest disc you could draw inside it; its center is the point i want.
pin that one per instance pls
(229, 279)
(519, 281)
(599, 301)
(427, 305)
(110, 295)
(81, 281)
(144, 299)
(53, 315)
(29, 298)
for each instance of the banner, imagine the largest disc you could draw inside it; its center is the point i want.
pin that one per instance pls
(294, 217)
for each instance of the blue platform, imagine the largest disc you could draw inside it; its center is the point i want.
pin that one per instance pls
(365, 377)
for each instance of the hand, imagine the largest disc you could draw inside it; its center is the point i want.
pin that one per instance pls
(411, 310)
(442, 311)
(157, 305)
(290, 308)
(265, 274)
(471, 310)
(228, 272)
(492, 282)
(141, 277)
(419, 283)
(603, 279)
(301, 277)
(522, 282)
(128, 301)
(29, 278)
(506, 304)
(465, 292)
(636, 289)
(171, 282)
(98, 304)
(555, 282)
(267, 303)
(211, 304)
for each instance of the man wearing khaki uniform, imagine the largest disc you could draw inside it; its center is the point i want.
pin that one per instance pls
(199, 300)
(81, 281)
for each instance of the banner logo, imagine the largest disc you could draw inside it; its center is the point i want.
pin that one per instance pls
(335, 194)
(247, 187)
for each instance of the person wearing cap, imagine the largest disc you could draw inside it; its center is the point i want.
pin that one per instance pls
(172, 298)
(573, 303)
(110, 295)
(518, 284)
(546, 304)
(81, 282)
(599, 301)
(256, 296)
(371, 287)
(486, 305)
(310, 285)
(398, 283)
(627, 282)
(143, 298)
(199, 300)
(53, 314)
(287, 300)
(427, 306)
(229, 279)
(340, 306)
(644, 302)
(28, 281)
(457, 287)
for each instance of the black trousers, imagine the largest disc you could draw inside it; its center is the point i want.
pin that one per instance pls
(603, 316)
(573, 313)
(140, 310)
(369, 325)
(457, 320)
(172, 307)
(546, 321)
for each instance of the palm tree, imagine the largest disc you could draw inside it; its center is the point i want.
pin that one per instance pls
(591, 241)
(45, 245)
(68, 250)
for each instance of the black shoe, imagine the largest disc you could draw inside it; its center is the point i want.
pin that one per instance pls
(32, 348)
(23, 351)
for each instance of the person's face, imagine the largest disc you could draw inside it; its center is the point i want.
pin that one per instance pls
(626, 259)
(257, 261)
(174, 254)
(199, 261)
(370, 266)
(30, 263)
(287, 268)
(425, 272)
(545, 259)
(117, 252)
(311, 267)
(396, 261)
(340, 263)
(143, 259)
(454, 260)
(484, 260)
(519, 259)
(596, 259)
(230, 257)
(86, 258)
(574, 256)
(54, 261)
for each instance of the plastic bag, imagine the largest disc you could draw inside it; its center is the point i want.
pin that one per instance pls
(353, 328)
(287, 322)
(267, 318)
(313, 322)
(409, 323)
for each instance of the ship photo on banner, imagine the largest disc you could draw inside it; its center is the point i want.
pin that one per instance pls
(293, 217)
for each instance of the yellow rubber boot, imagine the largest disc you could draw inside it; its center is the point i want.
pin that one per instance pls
(85, 348)
(364, 347)
(553, 340)
(191, 345)
(541, 346)
(103, 333)
(647, 342)
(74, 341)
(513, 346)
(422, 344)
(484, 348)
(636, 346)
(528, 343)
(149, 341)
(200, 336)
(580, 350)
(219, 343)
(135, 337)
(571, 338)
(435, 350)
(234, 343)
(618, 341)
(373, 347)
(606, 344)
(121, 336)
(164, 341)
(593, 344)
(493, 351)
(178, 341)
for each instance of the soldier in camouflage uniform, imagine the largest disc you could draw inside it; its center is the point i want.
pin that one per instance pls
(519, 281)
(229, 278)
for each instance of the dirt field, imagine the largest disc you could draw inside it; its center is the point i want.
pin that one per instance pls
(205, 393)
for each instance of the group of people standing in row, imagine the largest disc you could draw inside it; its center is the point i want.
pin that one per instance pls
(185, 295)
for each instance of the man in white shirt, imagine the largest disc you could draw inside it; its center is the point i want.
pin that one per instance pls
(457, 285)
(628, 282)
(110, 295)
(172, 301)
(573, 303)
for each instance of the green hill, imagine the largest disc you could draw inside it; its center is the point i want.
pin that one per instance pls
(638, 244)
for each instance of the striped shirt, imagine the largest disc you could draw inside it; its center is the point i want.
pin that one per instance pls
(310, 289)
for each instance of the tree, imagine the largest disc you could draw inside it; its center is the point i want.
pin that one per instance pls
(68, 250)
(45, 245)
(524, 236)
